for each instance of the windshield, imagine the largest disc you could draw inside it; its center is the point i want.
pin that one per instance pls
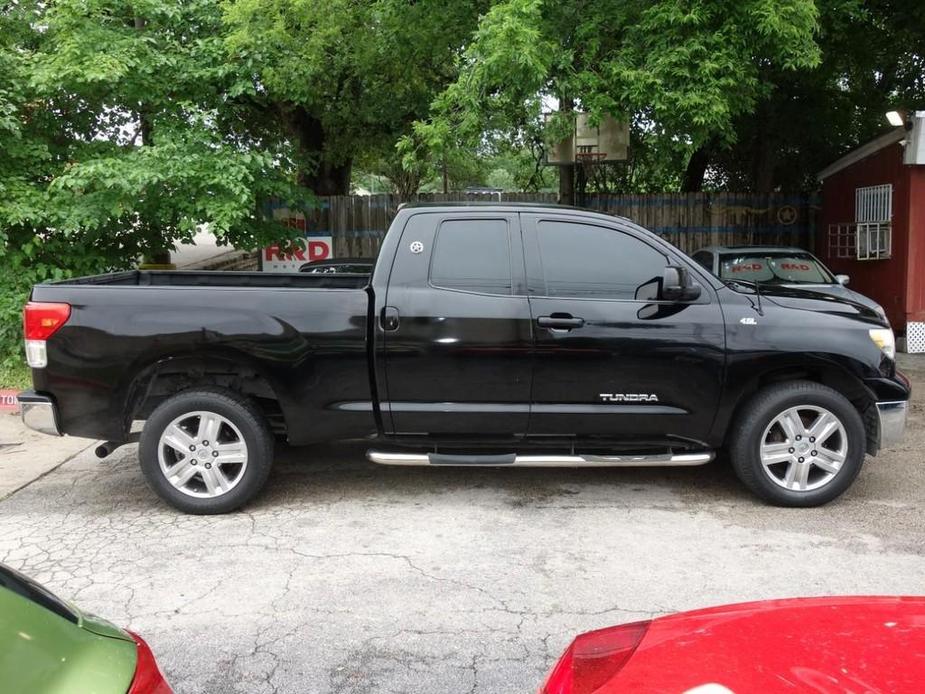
(30, 590)
(774, 267)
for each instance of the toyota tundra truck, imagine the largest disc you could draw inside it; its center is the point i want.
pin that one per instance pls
(486, 335)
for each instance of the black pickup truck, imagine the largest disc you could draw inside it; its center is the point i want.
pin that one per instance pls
(497, 334)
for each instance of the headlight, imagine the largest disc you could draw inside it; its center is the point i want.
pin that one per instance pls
(883, 338)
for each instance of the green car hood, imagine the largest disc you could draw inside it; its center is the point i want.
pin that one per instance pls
(42, 652)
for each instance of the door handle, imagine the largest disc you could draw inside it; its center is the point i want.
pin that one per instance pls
(560, 321)
(388, 318)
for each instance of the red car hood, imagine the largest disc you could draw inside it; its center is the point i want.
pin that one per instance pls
(823, 645)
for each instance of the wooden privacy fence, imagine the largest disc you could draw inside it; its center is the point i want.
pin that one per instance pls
(690, 221)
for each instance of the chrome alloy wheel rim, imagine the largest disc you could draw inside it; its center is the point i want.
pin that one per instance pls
(803, 448)
(202, 454)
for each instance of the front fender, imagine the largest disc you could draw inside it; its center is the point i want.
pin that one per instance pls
(783, 344)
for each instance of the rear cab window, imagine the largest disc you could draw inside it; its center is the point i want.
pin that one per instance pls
(472, 255)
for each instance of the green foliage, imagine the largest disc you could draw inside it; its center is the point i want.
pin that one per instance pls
(501, 178)
(873, 60)
(126, 126)
(119, 132)
(518, 168)
(763, 93)
(27, 259)
(513, 168)
(156, 148)
(690, 68)
(346, 78)
(696, 65)
(15, 375)
(118, 139)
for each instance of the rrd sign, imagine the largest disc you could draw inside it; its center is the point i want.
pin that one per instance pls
(278, 258)
(315, 245)
(8, 400)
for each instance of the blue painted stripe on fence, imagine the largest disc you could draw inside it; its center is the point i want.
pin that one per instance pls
(761, 229)
(794, 229)
(358, 233)
(669, 200)
(608, 203)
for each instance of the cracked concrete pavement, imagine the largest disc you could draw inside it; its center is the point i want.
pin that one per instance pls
(26, 455)
(347, 577)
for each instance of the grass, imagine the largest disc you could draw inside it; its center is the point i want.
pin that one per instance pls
(15, 374)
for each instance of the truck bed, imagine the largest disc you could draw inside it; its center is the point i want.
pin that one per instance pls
(297, 339)
(186, 278)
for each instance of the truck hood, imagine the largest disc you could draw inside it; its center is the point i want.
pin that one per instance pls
(840, 291)
(789, 296)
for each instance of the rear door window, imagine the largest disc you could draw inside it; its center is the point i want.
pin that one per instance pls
(472, 255)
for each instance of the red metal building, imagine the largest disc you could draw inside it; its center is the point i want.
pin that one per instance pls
(873, 224)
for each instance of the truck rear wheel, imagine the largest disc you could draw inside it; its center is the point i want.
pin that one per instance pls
(206, 451)
(798, 444)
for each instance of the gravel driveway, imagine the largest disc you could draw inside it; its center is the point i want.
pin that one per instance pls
(347, 577)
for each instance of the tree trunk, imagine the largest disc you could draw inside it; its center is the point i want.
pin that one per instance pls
(765, 166)
(320, 175)
(566, 171)
(696, 171)
(144, 119)
(766, 152)
(155, 251)
(404, 183)
(566, 184)
(765, 155)
(327, 179)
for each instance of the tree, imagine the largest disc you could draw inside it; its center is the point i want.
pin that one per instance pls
(345, 78)
(690, 67)
(118, 139)
(149, 146)
(873, 60)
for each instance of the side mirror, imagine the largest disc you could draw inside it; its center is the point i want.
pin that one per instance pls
(677, 285)
(842, 280)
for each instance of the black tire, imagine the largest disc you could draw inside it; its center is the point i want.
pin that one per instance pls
(240, 412)
(757, 415)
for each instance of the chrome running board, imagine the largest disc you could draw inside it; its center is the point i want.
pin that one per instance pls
(518, 460)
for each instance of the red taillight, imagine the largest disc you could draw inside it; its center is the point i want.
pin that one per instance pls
(148, 676)
(41, 320)
(593, 659)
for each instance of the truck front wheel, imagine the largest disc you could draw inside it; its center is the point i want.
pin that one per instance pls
(206, 451)
(798, 444)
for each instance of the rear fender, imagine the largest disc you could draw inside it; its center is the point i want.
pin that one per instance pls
(225, 368)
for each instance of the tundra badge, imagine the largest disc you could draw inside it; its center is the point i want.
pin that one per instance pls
(629, 397)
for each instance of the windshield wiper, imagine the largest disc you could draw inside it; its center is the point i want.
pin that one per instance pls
(749, 283)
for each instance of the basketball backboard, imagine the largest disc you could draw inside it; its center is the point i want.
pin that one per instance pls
(605, 142)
